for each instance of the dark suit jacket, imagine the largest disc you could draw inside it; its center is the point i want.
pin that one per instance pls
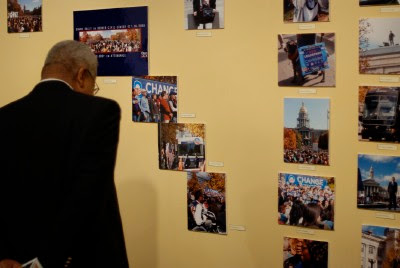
(392, 187)
(57, 192)
(196, 5)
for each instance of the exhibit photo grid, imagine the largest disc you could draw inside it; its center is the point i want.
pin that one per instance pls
(306, 201)
(305, 253)
(306, 60)
(306, 131)
(24, 16)
(181, 146)
(204, 14)
(364, 3)
(379, 49)
(378, 114)
(154, 99)
(306, 10)
(380, 246)
(118, 37)
(206, 207)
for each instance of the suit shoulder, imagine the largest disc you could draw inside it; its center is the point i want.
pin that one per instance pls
(97, 104)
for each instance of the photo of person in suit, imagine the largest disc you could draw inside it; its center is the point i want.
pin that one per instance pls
(58, 200)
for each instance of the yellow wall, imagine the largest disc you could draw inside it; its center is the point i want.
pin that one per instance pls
(229, 81)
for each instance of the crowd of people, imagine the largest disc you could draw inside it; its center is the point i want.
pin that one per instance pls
(306, 156)
(308, 206)
(305, 253)
(169, 159)
(114, 46)
(25, 24)
(157, 108)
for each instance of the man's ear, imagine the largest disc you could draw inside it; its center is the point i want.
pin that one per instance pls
(80, 77)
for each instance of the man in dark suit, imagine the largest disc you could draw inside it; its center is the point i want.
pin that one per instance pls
(198, 6)
(392, 190)
(58, 149)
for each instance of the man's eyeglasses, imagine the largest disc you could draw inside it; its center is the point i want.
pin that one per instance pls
(96, 87)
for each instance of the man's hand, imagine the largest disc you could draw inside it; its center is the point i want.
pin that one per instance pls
(9, 264)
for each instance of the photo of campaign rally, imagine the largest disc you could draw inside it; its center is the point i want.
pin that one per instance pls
(154, 99)
(304, 253)
(306, 201)
(206, 202)
(24, 16)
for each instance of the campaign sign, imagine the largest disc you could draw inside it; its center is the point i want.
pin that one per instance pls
(153, 86)
(313, 58)
(118, 37)
(304, 180)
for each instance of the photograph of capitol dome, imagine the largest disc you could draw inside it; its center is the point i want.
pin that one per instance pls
(306, 131)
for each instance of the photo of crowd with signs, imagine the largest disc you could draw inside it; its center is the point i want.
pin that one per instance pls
(206, 202)
(380, 247)
(379, 2)
(154, 99)
(306, 201)
(118, 37)
(298, 252)
(306, 131)
(306, 60)
(378, 114)
(204, 14)
(24, 16)
(181, 146)
(377, 182)
(305, 10)
(379, 49)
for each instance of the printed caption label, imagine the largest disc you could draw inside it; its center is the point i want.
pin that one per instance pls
(388, 147)
(188, 115)
(389, 9)
(216, 164)
(388, 79)
(203, 34)
(110, 81)
(306, 26)
(385, 216)
(305, 167)
(307, 91)
(237, 227)
(305, 231)
(24, 35)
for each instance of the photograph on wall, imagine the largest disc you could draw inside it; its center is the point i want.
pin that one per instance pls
(380, 247)
(378, 114)
(379, 49)
(304, 253)
(306, 201)
(306, 60)
(118, 37)
(154, 99)
(379, 2)
(181, 146)
(204, 14)
(305, 10)
(306, 131)
(377, 182)
(24, 16)
(206, 202)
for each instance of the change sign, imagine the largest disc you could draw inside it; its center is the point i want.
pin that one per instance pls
(313, 58)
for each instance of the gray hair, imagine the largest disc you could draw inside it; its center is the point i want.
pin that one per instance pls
(72, 55)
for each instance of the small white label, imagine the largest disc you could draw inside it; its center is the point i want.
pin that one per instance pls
(306, 167)
(110, 81)
(216, 164)
(388, 79)
(237, 227)
(385, 216)
(24, 35)
(308, 91)
(306, 26)
(389, 147)
(203, 34)
(305, 231)
(188, 115)
(389, 9)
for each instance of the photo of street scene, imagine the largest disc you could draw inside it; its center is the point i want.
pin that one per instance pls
(181, 146)
(154, 99)
(306, 60)
(206, 202)
(112, 41)
(24, 16)
(379, 2)
(378, 114)
(305, 10)
(304, 253)
(380, 247)
(306, 201)
(377, 182)
(204, 14)
(379, 49)
(306, 131)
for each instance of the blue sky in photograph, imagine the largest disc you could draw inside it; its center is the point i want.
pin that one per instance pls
(30, 4)
(317, 112)
(380, 29)
(376, 230)
(385, 167)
